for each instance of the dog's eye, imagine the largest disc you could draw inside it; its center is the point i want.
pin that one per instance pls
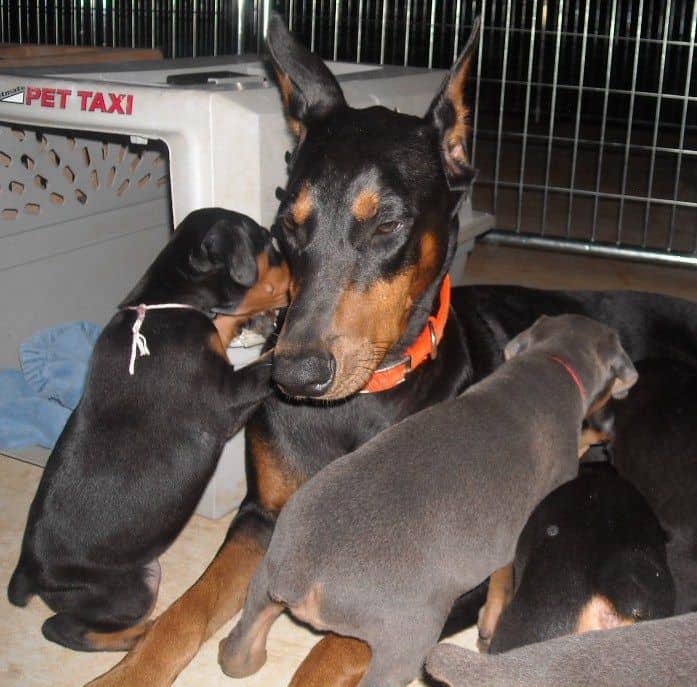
(388, 228)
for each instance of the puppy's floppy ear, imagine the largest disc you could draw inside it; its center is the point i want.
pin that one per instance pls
(625, 374)
(242, 259)
(450, 114)
(308, 89)
(209, 255)
(227, 245)
(519, 344)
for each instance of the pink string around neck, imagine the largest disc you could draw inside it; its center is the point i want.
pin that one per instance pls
(139, 344)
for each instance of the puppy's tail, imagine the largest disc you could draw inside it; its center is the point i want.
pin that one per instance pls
(21, 587)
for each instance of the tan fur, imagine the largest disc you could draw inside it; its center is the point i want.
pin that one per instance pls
(498, 596)
(367, 323)
(302, 206)
(117, 641)
(285, 88)
(274, 482)
(335, 661)
(600, 614)
(590, 437)
(176, 636)
(430, 254)
(365, 205)
(269, 292)
(455, 138)
(309, 609)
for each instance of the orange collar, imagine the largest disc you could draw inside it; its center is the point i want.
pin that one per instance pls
(424, 347)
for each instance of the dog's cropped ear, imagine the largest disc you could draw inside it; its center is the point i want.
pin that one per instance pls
(308, 89)
(625, 374)
(227, 245)
(450, 113)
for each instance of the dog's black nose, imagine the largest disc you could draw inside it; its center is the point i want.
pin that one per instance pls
(307, 374)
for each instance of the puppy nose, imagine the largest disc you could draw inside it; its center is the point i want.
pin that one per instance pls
(307, 374)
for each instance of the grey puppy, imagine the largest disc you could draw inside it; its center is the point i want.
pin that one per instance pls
(380, 543)
(649, 654)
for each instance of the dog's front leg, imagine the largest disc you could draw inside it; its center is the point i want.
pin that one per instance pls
(176, 636)
(333, 662)
(498, 597)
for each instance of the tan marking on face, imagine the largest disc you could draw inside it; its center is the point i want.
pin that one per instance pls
(270, 290)
(430, 260)
(600, 614)
(302, 206)
(336, 661)
(367, 323)
(365, 205)
(268, 293)
(274, 481)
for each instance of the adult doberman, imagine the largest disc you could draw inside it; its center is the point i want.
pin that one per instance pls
(368, 227)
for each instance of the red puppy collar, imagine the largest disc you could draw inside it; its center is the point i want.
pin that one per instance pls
(572, 373)
(425, 347)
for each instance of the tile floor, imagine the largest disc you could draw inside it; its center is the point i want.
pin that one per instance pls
(27, 660)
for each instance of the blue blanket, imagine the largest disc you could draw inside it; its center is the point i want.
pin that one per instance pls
(36, 403)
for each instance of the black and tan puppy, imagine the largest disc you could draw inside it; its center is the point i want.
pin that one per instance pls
(380, 543)
(138, 451)
(592, 556)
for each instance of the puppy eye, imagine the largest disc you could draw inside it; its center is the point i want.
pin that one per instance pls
(388, 228)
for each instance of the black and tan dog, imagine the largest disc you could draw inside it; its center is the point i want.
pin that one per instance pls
(592, 556)
(138, 451)
(378, 545)
(368, 226)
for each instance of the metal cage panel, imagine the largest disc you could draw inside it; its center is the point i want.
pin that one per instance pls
(586, 117)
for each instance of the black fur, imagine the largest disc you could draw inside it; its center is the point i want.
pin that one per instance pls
(595, 535)
(136, 454)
